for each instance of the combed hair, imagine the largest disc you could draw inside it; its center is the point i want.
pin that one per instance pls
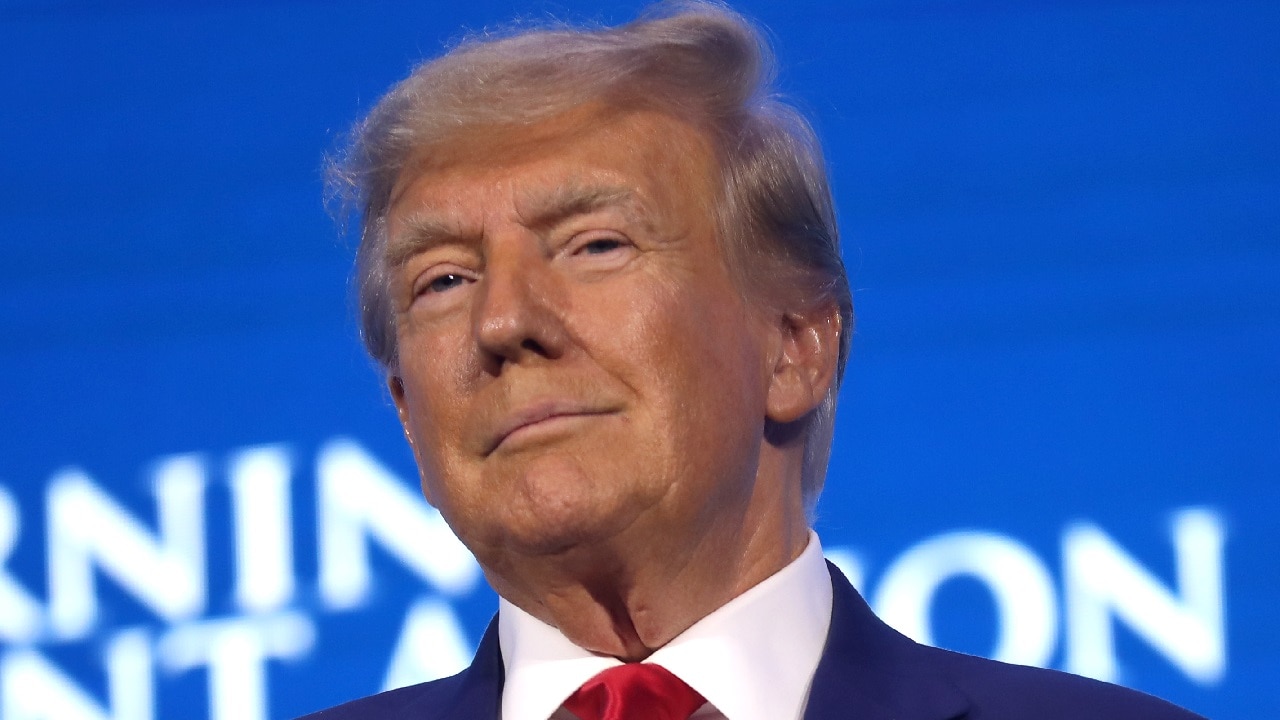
(697, 61)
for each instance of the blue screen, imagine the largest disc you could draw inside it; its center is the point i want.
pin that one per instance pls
(1058, 439)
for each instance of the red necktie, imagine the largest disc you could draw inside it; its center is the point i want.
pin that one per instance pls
(635, 691)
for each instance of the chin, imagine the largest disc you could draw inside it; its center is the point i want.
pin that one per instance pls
(547, 541)
(555, 513)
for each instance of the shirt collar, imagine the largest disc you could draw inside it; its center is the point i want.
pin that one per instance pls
(753, 658)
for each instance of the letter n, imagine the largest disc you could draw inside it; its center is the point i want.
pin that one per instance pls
(1103, 582)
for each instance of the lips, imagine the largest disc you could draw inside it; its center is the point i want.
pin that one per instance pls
(536, 414)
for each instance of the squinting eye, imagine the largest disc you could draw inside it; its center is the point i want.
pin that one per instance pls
(444, 282)
(601, 246)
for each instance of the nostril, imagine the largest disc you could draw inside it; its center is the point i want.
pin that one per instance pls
(533, 346)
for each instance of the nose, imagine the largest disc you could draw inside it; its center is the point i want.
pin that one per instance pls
(517, 315)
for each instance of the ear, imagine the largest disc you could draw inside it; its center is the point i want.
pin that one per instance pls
(805, 368)
(395, 386)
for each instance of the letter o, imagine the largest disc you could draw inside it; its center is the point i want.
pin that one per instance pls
(1027, 608)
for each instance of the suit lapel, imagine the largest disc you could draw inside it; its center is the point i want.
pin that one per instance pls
(473, 694)
(871, 672)
(480, 695)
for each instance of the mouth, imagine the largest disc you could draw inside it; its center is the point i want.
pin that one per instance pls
(539, 419)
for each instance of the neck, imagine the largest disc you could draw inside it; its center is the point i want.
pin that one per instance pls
(629, 595)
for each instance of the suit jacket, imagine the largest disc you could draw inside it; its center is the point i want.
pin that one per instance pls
(868, 671)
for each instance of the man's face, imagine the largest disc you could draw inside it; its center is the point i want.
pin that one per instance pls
(576, 361)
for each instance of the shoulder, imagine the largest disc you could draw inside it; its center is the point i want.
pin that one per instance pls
(414, 701)
(473, 693)
(999, 690)
(868, 662)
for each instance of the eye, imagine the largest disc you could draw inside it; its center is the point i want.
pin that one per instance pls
(441, 283)
(600, 246)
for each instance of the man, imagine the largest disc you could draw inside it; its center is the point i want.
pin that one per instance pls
(601, 271)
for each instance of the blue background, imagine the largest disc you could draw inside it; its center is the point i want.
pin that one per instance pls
(1061, 221)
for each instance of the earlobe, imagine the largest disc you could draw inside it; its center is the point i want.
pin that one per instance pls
(395, 386)
(806, 366)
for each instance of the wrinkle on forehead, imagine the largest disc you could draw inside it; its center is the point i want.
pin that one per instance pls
(550, 172)
(510, 142)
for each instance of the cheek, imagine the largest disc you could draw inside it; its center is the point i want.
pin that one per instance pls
(434, 379)
(712, 342)
(438, 350)
(421, 424)
(691, 347)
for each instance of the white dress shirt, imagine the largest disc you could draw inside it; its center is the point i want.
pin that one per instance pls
(752, 659)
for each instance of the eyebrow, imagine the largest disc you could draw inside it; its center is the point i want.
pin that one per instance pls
(423, 231)
(569, 200)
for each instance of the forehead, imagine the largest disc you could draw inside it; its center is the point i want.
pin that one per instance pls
(644, 158)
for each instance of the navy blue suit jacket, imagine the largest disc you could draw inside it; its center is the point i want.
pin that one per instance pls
(868, 671)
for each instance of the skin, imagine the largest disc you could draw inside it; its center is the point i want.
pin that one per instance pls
(592, 401)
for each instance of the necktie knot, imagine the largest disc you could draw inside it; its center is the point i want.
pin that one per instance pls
(634, 691)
